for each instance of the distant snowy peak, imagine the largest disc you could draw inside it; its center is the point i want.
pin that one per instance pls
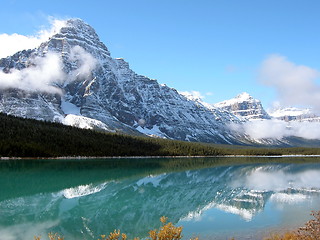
(294, 114)
(244, 106)
(243, 97)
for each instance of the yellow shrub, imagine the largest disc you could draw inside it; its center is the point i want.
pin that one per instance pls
(166, 232)
(115, 235)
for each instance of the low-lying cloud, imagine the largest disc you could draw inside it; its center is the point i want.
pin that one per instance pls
(43, 75)
(294, 84)
(86, 62)
(277, 129)
(12, 43)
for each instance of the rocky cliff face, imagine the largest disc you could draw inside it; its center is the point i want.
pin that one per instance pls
(244, 106)
(74, 80)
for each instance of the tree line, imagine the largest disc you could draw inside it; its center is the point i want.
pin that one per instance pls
(21, 137)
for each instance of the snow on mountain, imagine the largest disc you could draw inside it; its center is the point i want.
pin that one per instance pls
(244, 106)
(84, 122)
(74, 80)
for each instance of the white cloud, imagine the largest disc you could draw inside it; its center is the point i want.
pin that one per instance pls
(193, 95)
(262, 129)
(277, 129)
(10, 44)
(86, 62)
(308, 130)
(44, 73)
(295, 84)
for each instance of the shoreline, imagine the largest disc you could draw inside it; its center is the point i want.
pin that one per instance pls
(157, 157)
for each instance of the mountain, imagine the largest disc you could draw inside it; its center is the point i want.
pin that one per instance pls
(244, 106)
(294, 114)
(72, 79)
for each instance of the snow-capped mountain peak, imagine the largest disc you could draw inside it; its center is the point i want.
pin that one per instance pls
(242, 97)
(244, 106)
(76, 32)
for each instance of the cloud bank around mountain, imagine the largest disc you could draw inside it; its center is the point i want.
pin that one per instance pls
(277, 129)
(45, 74)
(41, 76)
(12, 43)
(86, 62)
(296, 85)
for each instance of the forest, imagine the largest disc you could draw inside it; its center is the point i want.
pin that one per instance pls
(21, 137)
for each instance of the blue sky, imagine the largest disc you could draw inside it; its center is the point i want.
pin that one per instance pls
(214, 47)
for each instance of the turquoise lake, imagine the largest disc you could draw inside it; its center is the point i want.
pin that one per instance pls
(210, 197)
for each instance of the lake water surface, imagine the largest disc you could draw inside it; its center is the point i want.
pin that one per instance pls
(210, 197)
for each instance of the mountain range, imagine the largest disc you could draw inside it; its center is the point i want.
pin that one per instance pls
(245, 107)
(72, 79)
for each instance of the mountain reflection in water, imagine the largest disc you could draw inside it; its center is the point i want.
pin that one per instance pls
(84, 199)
